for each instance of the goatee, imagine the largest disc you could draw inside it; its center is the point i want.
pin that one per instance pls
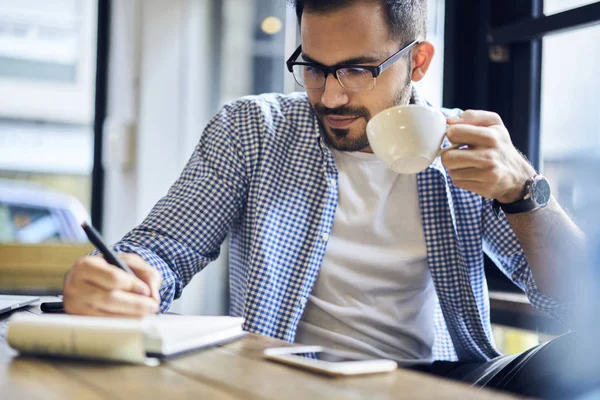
(340, 139)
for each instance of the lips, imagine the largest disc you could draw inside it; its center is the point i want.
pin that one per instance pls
(340, 122)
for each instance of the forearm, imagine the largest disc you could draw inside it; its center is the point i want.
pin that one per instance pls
(554, 247)
(494, 169)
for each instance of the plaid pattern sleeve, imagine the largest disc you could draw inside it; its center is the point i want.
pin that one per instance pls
(185, 229)
(502, 246)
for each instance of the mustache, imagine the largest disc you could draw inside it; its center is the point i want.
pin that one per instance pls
(323, 111)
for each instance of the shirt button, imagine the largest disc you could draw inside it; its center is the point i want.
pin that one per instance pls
(303, 301)
(331, 182)
(325, 237)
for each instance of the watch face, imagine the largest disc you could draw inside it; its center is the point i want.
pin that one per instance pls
(541, 192)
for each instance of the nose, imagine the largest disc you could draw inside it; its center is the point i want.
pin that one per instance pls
(334, 95)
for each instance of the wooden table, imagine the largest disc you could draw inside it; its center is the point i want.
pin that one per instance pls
(233, 371)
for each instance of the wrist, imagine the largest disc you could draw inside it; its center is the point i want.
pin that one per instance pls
(515, 194)
(517, 191)
(537, 194)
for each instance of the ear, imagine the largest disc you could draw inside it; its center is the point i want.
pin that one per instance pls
(422, 54)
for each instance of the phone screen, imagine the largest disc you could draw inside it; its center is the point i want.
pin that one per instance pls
(325, 355)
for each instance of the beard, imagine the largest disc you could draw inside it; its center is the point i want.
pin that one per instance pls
(342, 139)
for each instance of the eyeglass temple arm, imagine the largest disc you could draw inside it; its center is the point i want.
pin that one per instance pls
(394, 57)
(293, 58)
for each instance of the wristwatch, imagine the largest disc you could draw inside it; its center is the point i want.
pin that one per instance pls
(537, 195)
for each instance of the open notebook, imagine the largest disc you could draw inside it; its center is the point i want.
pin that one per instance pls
(138, 341)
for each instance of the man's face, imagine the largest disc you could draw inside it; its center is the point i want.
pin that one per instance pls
(360, 34)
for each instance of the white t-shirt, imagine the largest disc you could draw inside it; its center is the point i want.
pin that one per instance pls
(374, 293)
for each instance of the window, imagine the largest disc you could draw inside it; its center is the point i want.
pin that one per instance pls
(7, 233)
(557, 6)
(47, 55)
(536, 63)
(570, 122)
(47, 70)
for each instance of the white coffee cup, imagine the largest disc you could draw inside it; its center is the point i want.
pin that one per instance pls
(408, 138)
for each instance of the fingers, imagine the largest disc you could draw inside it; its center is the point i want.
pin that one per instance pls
(485, 182)
(145, 272)
(93, 287)
(466, 174)
(125, 303)
(476, 117)
(471, 135)
(467, 158)
(97, 271)
(88, 299)
(473, 170)
(81, 308)
(491, 166)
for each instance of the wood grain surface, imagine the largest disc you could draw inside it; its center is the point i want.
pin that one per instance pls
(234, 371)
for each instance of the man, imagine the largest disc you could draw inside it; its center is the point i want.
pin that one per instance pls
(327, 245)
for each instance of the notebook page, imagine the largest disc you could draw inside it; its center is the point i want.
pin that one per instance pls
(173, 327)
(165, 332)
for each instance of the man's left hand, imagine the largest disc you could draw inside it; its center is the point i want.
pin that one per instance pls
(490, 166)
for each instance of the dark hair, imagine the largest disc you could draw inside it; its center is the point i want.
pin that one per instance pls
(407, 19)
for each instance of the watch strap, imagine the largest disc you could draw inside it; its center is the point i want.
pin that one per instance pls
(519, 206)
(526, 204)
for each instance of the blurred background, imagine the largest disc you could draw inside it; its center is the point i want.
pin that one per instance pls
(102, 103)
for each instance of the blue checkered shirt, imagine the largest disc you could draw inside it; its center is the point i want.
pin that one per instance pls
(262, 173)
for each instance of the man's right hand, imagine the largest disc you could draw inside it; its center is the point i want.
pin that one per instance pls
(94, 287)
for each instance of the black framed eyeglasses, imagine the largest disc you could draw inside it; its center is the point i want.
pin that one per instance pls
(357, 78)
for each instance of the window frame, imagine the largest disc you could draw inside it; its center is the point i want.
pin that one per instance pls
(100, 111)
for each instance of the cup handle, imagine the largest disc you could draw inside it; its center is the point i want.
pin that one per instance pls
(445, 149)
(453, 147)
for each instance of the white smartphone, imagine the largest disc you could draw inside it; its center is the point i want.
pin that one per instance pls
(329, 361)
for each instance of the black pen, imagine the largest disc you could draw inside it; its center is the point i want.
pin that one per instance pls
(109, 256)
